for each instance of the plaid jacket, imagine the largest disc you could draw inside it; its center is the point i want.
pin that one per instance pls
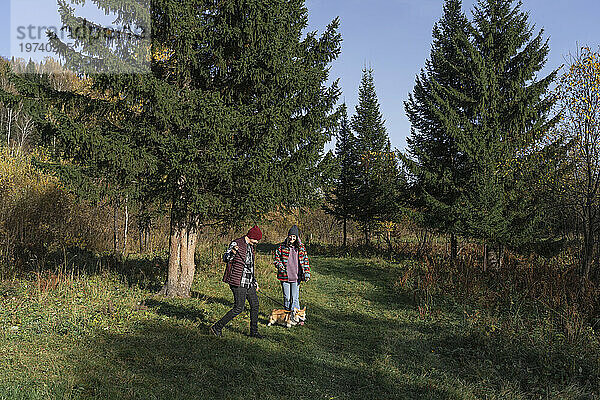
(240, 265)
(280, 260)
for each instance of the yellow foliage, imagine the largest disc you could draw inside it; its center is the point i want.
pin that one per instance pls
(37, 213)
(162, 54)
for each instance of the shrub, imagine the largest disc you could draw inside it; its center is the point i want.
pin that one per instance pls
(38, 216)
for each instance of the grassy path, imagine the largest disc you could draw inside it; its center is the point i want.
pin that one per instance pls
(364, 339)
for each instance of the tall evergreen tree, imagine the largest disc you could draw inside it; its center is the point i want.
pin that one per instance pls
(501, 124)
(367, 121)
(341, 201)
(230, 121)
(480, 109)
(439, 168)
(511, 118)
(377, 167)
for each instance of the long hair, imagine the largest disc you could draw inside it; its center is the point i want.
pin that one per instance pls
(296, 242)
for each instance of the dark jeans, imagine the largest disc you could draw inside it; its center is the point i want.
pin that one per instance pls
(240, 294)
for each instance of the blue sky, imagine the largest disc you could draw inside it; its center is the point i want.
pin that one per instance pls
(391, 36)
(394, 38)
(4, 26)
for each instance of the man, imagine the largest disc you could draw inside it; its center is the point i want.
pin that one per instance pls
(239, 274)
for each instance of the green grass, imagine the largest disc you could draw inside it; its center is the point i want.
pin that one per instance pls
(364, 339)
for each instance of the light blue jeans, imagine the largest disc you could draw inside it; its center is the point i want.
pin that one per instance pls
(291, 295)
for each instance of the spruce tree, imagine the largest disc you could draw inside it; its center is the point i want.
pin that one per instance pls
(481, 114)
(511, 118)
(230, 121)
(438, 167)
(341, 201)
(500, 124)
(377, 171)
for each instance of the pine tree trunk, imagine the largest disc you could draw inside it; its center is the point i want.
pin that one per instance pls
(388, 239)
(345, 232)
(148, 241)
(588, 247)
(485, 257)
(125, 229)
(144, 228)
(115, 228)
(500, 255)
(453, 247)
(141, 240)
(182, 247)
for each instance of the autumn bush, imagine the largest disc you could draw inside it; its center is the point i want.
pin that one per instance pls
(39, 217)
(529, 290)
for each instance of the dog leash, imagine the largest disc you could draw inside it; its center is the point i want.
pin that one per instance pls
(270, 298)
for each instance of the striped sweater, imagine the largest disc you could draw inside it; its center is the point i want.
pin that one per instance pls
(280, 260)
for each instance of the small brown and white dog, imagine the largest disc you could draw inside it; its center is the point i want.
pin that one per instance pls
(288, 318)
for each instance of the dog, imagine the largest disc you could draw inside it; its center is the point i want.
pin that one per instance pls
(288, 318)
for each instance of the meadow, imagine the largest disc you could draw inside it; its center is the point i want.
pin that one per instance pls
(371, 333)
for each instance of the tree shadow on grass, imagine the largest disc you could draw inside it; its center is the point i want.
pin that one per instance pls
(210, 299)
(163, 360)
(536, 369)
(181, 311)
(461, 361)
(190, 311)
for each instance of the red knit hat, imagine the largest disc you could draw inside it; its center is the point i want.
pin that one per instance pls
(254, 233)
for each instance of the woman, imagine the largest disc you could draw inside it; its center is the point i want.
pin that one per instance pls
(240, 276)
(293, 267)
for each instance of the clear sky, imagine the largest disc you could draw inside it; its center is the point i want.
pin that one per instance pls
(394, 38)
(4, 27)
(391, 36)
